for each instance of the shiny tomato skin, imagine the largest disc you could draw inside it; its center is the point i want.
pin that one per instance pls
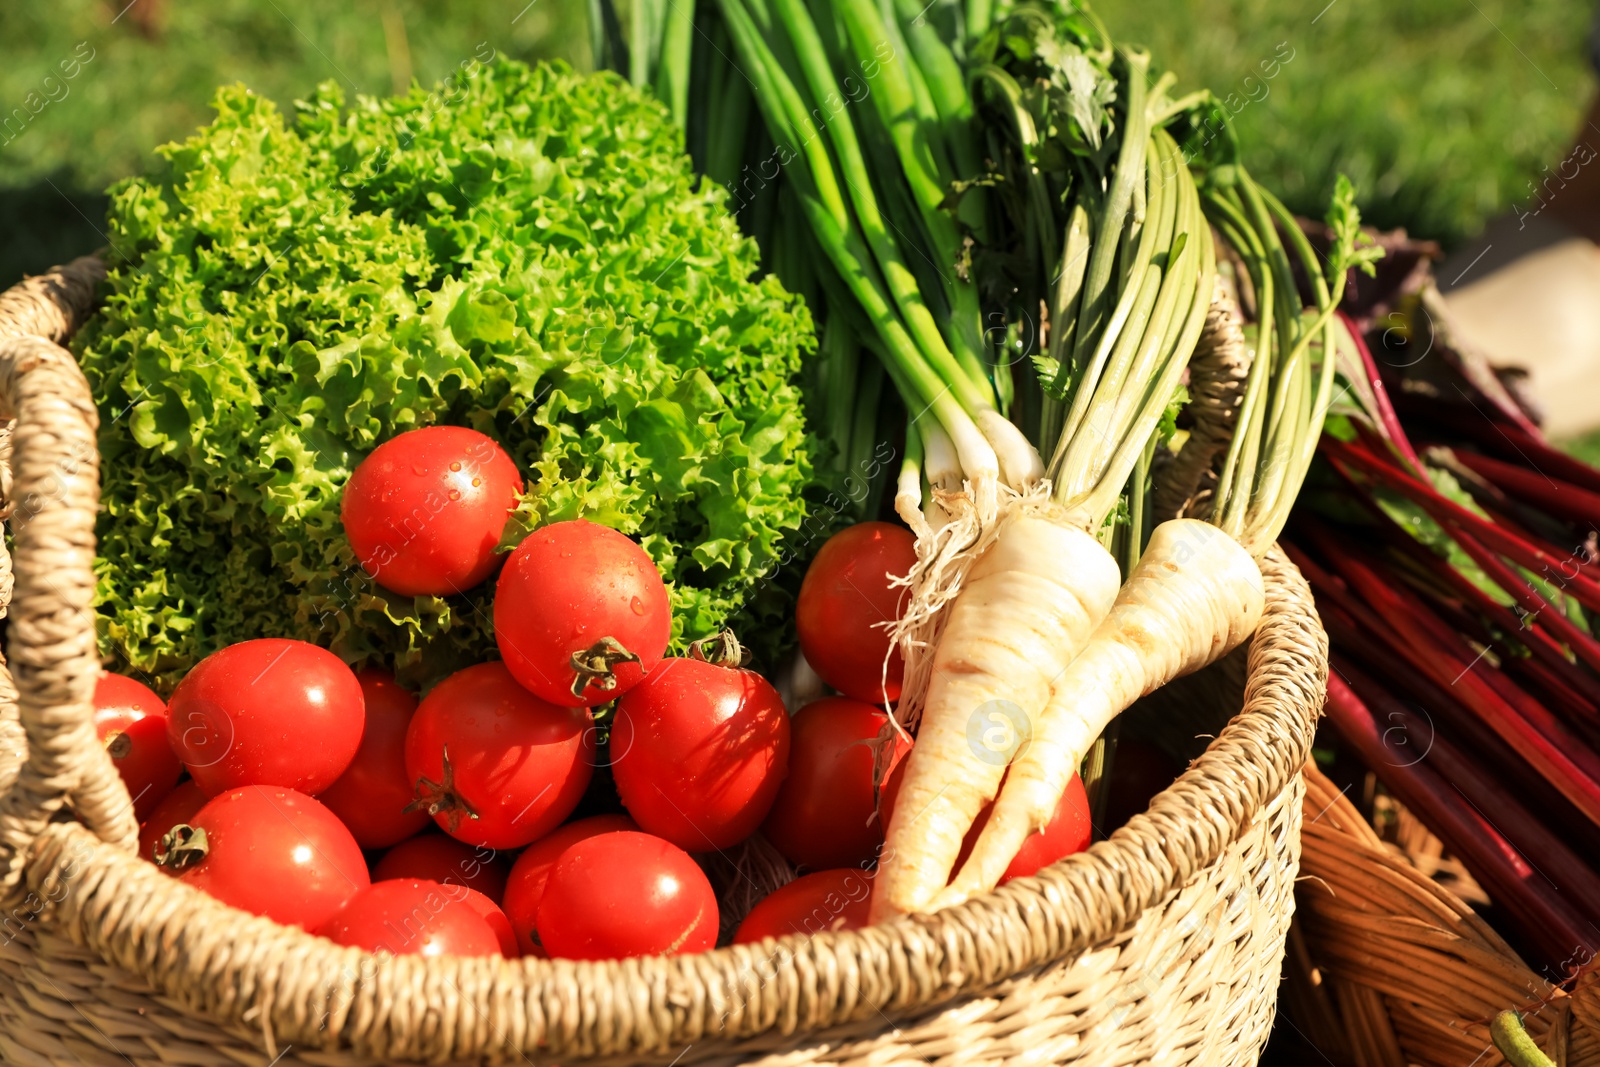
(698, 752)
(425, 510)
(568, 586)
(836, 899)
(267, 712)
(371, 795)
(179, 806)
(519, 764)
(843, 597)
(1068, 831)
(823, 815)
(437, 857)
(411, 917)
(525, 886)
(491, 913)
(626, 894)
(277, 853)
(131, 721)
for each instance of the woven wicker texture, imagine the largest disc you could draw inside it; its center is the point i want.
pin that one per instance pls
(1183, 483)
(1388, 968)
(1162, 944)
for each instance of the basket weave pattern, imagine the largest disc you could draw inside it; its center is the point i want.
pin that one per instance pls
(1389, 968)
(1161, 944)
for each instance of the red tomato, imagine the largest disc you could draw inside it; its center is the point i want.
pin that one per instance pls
(844, 596)
(267, 712)
(823, 816)
(411, 917)
(277, 853)
(626, 894)
(1067, 832)
(372, 794)
(827, 900)
(517, 765)
(424, 512)
(698, 752)
(131, 721)
(490, 912)
(180, 806)
(578, 590)
(436, 857)
(525, 887)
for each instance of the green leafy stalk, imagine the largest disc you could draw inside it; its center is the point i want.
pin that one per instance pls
(1129, 172)
(794, 84)
(1290, 385)
(672, 67)
(1121, 395)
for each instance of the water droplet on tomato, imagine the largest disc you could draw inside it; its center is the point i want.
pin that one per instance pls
(455, 494)
(476, 482)
(455, 465)
(637, 605)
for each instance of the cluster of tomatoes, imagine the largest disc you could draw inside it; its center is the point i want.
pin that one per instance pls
(336, 801)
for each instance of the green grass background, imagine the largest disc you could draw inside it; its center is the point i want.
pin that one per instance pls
(1442, 111)
(138, 91)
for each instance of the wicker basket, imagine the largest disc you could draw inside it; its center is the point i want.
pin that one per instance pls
(1388, 968)
(1162, 944)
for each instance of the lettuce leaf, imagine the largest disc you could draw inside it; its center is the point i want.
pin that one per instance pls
(521, 250)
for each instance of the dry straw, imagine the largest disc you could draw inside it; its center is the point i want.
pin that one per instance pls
(1388, 968)
(1162, 944)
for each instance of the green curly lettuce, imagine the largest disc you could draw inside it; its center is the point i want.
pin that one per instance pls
(522, 250)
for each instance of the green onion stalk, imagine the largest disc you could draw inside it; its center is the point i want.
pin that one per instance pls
(872, 181)
(872, 129)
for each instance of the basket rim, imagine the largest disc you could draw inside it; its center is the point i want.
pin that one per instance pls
(290, 986)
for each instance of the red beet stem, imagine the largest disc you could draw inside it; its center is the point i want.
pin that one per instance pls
(1548, 746)
(1537, 453)
(1543, 916)
(1458, 518)
(1385, 413)
(1529, 630)
(1553, 495)
(1536, 845)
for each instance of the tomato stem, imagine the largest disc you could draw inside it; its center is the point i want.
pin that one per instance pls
(597, 664)
(723, 650)
(441, 796)
(181, 847)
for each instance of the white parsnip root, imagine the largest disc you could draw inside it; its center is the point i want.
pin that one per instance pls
(1029, 601)
(1194, 596)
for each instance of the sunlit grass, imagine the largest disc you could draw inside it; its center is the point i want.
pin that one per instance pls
(1440, 111)
(1439, 116)
(137, 91)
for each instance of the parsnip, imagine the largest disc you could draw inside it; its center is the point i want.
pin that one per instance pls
(1025, 607)
(1194, 596)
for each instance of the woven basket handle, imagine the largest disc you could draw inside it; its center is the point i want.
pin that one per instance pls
(53, 493)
